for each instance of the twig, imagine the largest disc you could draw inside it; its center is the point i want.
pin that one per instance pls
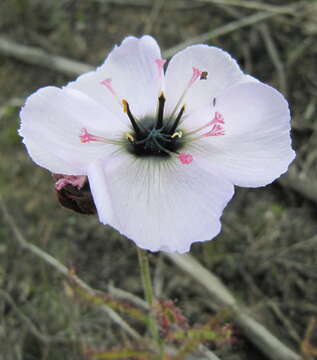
(175, 5)
(272, 255)
(275, 57)
(255, 332)
(134, 3)
(221, 30)
(302, 307)
(302, 244)
(289, 9)
(306, 347)
(284, 320)
(297, 53)
(156, 8)
(33, 329)
(39, 57)
(302, 185)
(49, 259)
(125, 295)
(307, 270)
(209, 355)
(13, 103)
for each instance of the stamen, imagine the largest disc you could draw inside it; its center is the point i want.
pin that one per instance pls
(160, 66)
(125, 106)
(126, 109)
(180, 114)
(160, 112)
(178, 134)
(86, 137)
(185, 158)
(197, 74)
(217, 126)
(108, 84)
(216, 130)
(129, 137)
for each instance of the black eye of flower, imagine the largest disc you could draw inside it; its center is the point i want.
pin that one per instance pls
(155, 136)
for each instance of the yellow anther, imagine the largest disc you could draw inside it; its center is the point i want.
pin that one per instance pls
(125, 105)
(162, 95)
(129, 137)
(177, 134)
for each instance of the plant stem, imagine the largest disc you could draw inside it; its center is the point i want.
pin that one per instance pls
(149, 297)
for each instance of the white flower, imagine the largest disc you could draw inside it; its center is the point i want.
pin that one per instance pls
(162, 151)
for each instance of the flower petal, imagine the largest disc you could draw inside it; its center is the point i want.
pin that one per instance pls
(160, 204)
(223, 71)
(134, 77)
(52, 120)
(99, 189)
(256, 148)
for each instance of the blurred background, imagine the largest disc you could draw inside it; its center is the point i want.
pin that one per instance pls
(267, 251)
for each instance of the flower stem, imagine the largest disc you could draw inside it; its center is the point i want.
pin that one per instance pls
(149, 297)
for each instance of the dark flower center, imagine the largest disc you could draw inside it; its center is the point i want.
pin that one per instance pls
(155, 136)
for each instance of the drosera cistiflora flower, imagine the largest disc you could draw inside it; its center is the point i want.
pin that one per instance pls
(162, 150)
